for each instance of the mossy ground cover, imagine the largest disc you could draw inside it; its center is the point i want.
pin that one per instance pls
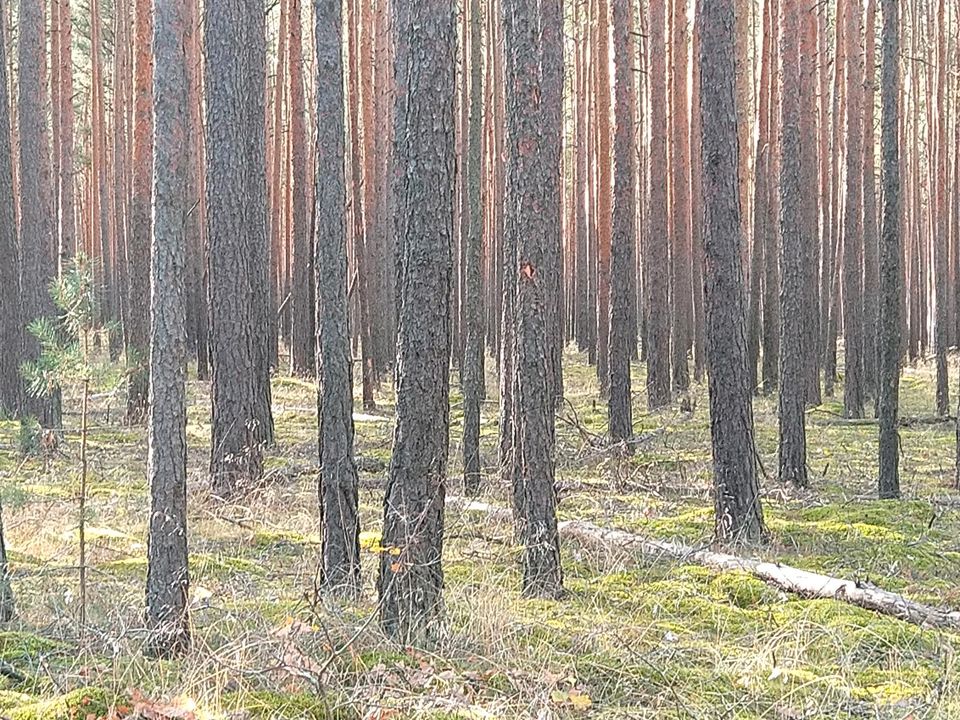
(640, 640)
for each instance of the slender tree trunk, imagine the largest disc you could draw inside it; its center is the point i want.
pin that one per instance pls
(65, 186)
(473, 286)
(680, 245)
(410, 584)
(809, 196)
(739, 517)
(604, 194)
(830, 274)
(303, 313)
(871, 246)
(10, 299)
(37, 258)
(772, 236)
(853, 385)
(656, 248)
(624, 224)
(338, 482)
(529, 149)
(891, 274)
(696, 225)
(138, 253)
(793, 387)
(940, 219)
(167, 572)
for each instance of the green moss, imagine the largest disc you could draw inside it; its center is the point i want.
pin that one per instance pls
(74, 705)
(263, 705)
(17, 645)
(219, 566)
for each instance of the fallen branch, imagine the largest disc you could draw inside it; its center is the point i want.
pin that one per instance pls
(790, 579)
(905, 422)
(794, 580)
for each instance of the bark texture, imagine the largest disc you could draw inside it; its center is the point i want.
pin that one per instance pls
(655, 246)
(623, 250)
(739, 517)
(528, 230)
(236, 228)
(37, 258)
(338, 471)
(167, 572)
(410, 584)
(11, 338)
(793, 383)
(891, 249)
(472, 371)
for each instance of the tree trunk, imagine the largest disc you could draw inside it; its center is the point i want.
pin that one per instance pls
(680, 240)
(623, 278)
(871, 247)
(605, 190)
(473, 287)
(656, 247)
(10, 328)
(65, 186)
(410, 584)
(771, 248)
(37, 258)
(529, 159)
(167, 572)
(793, 382)
(338, 472)
(236, 222)
(739, 517)
(889, 341)
(853, 386)
(138, 252)
(809, 197)
(940, 218)
(302, 311)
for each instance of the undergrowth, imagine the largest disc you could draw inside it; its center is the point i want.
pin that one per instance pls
(647, 640)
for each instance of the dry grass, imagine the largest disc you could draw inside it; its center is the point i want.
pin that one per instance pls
(650, 641)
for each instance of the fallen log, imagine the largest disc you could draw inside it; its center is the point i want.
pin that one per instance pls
(790, 579)
(904, 422)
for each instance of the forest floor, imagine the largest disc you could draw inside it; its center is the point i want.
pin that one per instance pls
(659, 639)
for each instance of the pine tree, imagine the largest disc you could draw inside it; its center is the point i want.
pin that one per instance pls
(891, 248)
(410, 583)
(338, 472)
(167, 571)
(236, 228)
(739, 517)
(793, 381)
(10, 329)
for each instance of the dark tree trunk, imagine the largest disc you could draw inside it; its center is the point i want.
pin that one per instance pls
(891, 276)
(64, 144)
(37, 258)
(656, 248)
(771, 249)
(623, 250)
(809, 197)
(680, 242)
(338, 473)
(528, 228)
(871, 247)
(473, 276)
(167, 573)
(236, 223)
(601, 67)
(739, 517)
(941, 247)
(11, 338)
(853, 386)
(410, 584)
(137, 325)
(302, 310)
(793, 321)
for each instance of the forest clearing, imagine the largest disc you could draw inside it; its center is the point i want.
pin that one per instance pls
(654, 639)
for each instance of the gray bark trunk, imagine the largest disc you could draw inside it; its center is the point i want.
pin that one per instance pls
(167, 573)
